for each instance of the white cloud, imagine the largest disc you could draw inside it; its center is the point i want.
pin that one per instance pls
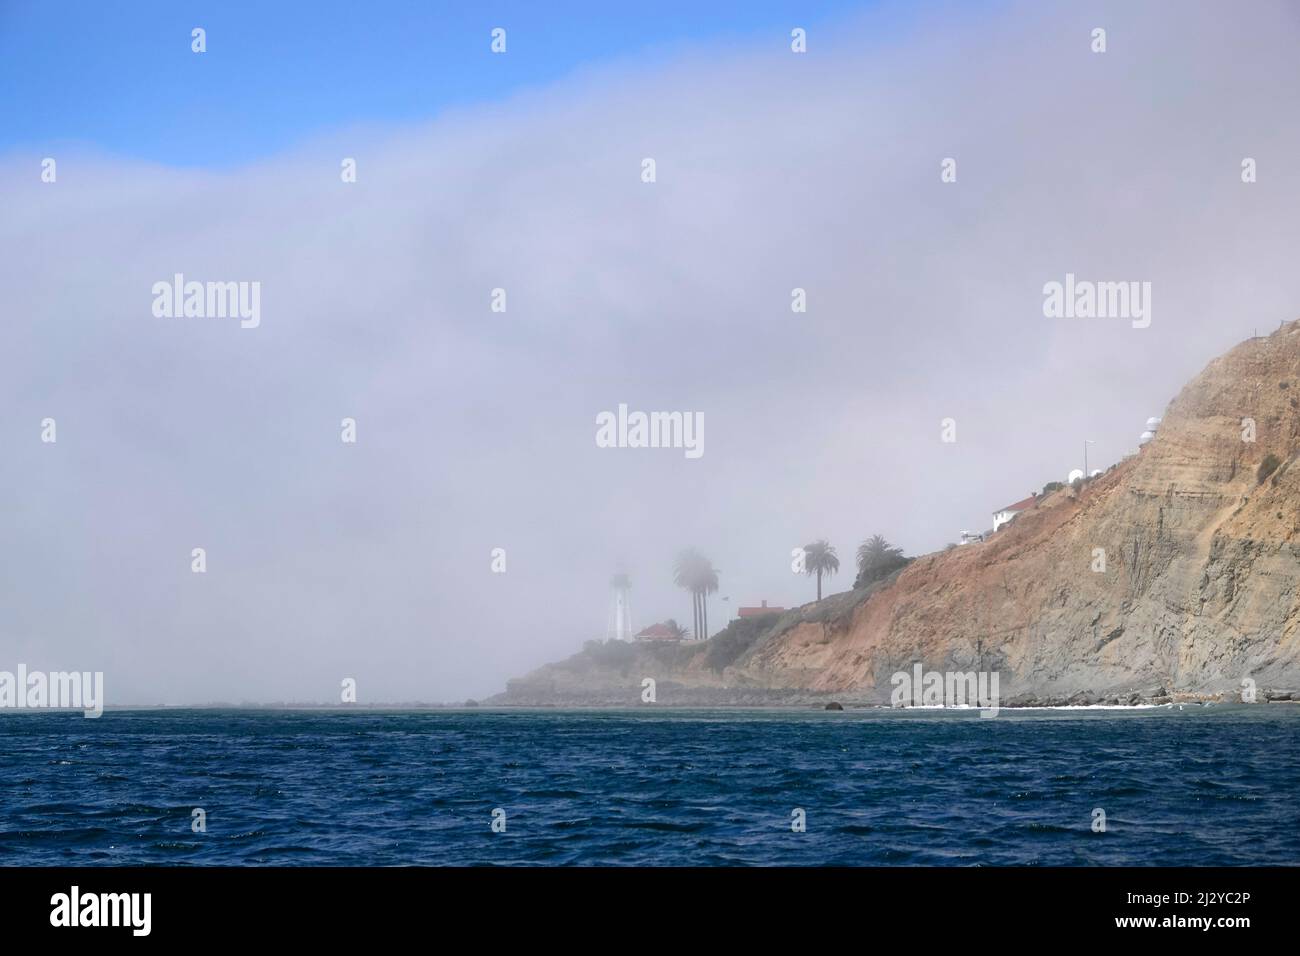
(477, 429)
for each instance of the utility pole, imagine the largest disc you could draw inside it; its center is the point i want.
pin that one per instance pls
(1086, 443)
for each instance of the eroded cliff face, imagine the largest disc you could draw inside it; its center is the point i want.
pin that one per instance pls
(1201, 587)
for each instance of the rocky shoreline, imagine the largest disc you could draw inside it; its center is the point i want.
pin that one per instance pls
(671, 695)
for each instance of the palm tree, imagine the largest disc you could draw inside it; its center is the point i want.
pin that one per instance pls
(820, 558)
(678, 631)
(686, 570)
(708, 584)
(696, 573)
(877, 558)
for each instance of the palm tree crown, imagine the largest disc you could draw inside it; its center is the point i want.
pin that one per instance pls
(696, 573)
(820, 558)
(877, 558)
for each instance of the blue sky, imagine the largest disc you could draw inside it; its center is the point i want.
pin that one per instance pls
(120, 77)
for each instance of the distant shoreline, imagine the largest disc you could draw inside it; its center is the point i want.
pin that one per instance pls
(848, 707)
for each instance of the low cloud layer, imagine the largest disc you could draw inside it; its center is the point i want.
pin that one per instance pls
(476, 429)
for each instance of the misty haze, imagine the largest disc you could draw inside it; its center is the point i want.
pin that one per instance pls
(475, 428)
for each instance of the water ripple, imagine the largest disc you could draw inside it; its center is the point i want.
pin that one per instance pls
(1202, 787)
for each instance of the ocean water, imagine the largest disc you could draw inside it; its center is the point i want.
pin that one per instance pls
(1201, 786)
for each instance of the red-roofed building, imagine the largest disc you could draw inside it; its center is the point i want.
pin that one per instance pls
(759, 611)
(1004, 515)
(658, 632)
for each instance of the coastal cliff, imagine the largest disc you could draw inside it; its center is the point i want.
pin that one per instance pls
(1200, 590)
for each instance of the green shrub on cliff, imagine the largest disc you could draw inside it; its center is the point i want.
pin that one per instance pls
(727, 646)
(610, 653)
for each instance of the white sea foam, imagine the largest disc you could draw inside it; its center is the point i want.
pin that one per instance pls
(1047, 707)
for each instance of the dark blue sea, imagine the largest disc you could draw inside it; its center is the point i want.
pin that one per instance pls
(1200, 786)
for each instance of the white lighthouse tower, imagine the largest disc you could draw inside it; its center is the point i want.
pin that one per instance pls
(621, 613)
